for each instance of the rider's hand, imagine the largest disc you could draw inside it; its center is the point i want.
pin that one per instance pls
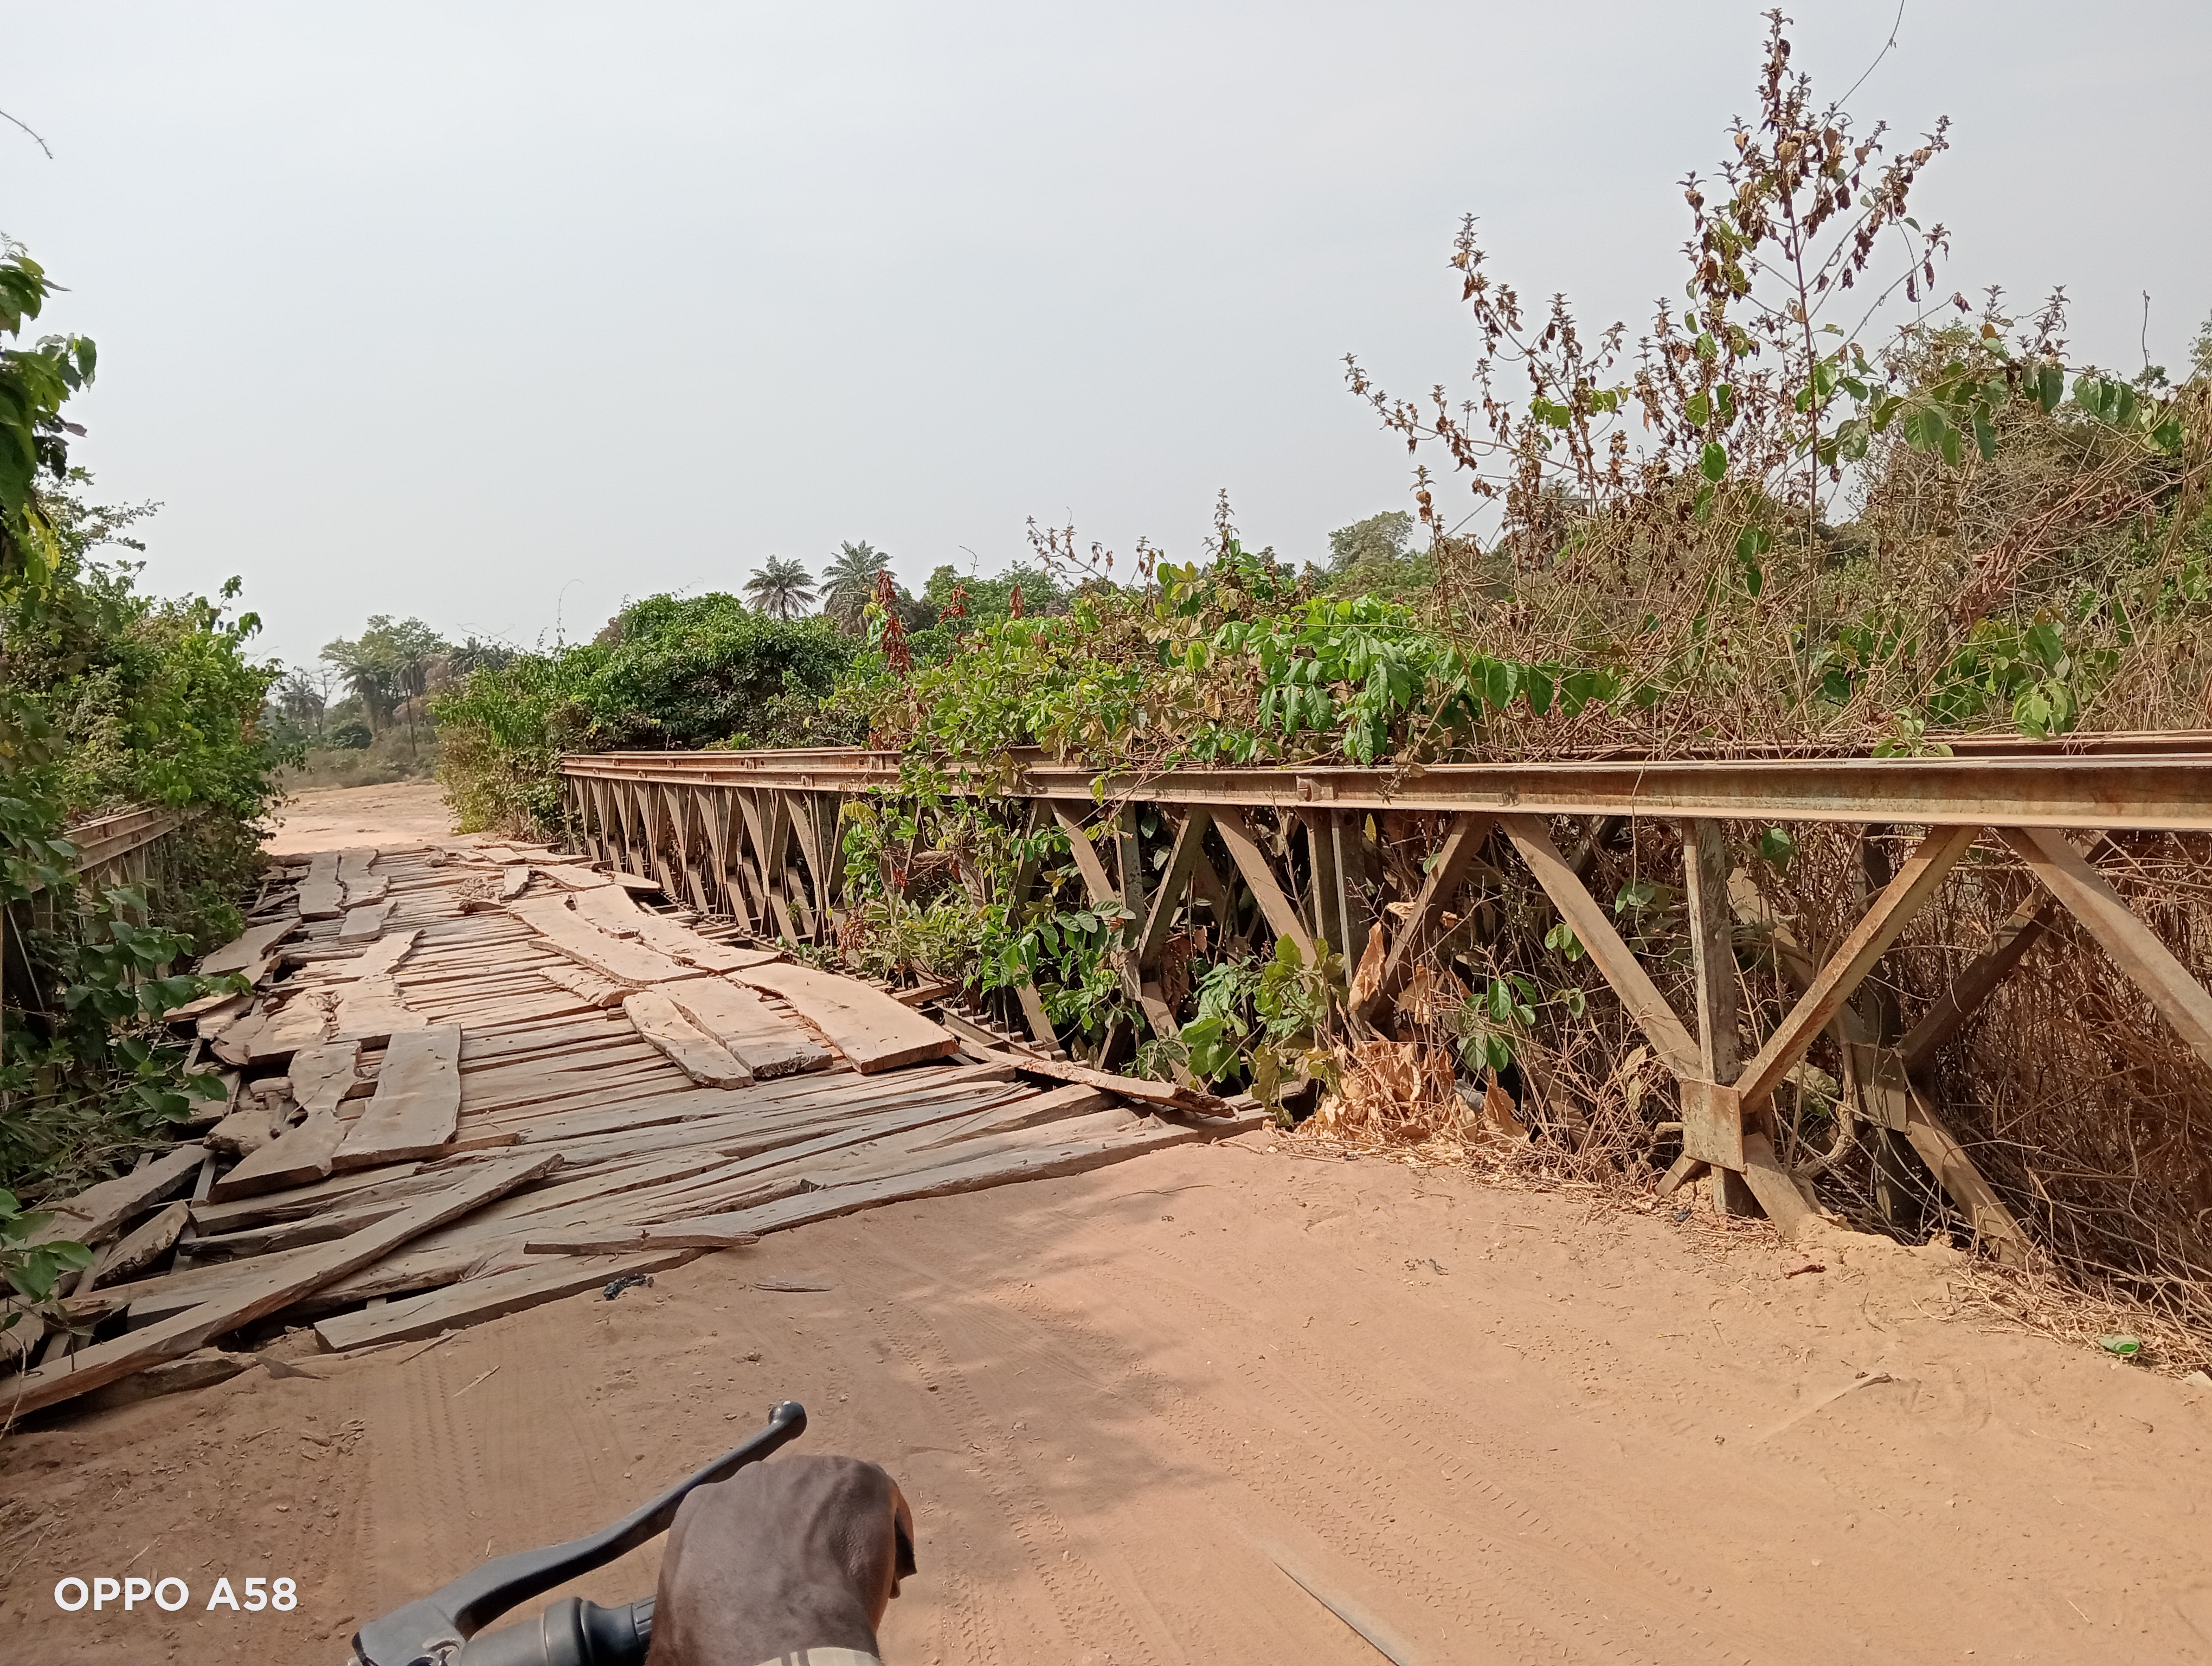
(796, 1552)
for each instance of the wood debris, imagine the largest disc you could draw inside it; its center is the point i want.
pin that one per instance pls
(471, 1112)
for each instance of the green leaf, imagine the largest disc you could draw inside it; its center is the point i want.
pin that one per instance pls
(1699, 408)
(1985, 437)
(1714, 461)
(1777, 846)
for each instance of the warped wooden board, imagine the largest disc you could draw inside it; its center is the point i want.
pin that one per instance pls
(98, 1213)
(417, 1102)
(741, 1021)
(293, 1234)
(104, 1362)
(805, 1150)
(868, 1027)
(341, 1192)
(570, 877)
(302, 1022)
(474, 1300)
(298, 1156)
(1127, 1087)
(134, 1253)
(513, 881)
(996, 1168)
(690, 1048)
(362, 885)
(371, 1011)
(365, 923)
(210, 1014)
(231, 1042)
(635, 964)
(611, 910)
(250, 949)
(321, 896)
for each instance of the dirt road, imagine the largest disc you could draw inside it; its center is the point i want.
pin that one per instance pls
(332, 817)
(1173, 1410)
(1132, 1408)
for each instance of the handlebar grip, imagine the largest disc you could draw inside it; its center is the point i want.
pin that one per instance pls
(569, 1632)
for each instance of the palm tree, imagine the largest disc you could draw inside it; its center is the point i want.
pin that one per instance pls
(849, 582)
(782, 588)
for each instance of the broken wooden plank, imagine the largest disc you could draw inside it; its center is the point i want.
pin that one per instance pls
(249, 950)
(636, 964)
(741, 1021)
(473, 1301)
(354, 874)
(372, 1012)
(1177, 1096)
(688, 1047)
(996, 1168)
(298, 1156)
(868, 1027)
(104, 1362)
(321, 896)
(1777, 1192)
(365, 924)
(98, 1213)
(132, 1254)
(570, 877)
(324, 1074)
(513, 881)
(418, 1103)
(302, 1021)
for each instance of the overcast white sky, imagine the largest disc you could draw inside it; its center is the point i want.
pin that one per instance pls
(497, 312)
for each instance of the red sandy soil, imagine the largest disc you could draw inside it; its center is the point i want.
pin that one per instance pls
(333, 818)
(1128, 1407)
(1132, 1409)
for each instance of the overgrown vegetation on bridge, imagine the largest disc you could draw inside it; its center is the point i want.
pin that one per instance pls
(1819, 502)
(108, 698)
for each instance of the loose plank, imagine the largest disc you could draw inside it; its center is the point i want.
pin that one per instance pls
(688, 1047)
(418, 1103)
(104, 1362)
(741, 1021)
(474, 1300)
(871, 1029)
(96, 1214)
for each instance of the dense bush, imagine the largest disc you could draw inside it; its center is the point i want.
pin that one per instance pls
(108, 698)
(669, 671)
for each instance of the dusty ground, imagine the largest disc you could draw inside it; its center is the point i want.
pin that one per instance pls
(1492, 1426)
(1130, 1407)
(332, 817)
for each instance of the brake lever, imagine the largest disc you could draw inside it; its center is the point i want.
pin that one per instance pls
(429, 1632)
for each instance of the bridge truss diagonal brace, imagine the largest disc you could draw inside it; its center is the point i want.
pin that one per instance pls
(1462, 843)
(2133, 946)
(1833, 984)
(1666, 1032)
(1260, 875)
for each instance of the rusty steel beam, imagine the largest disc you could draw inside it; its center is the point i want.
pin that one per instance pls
(2045, 788)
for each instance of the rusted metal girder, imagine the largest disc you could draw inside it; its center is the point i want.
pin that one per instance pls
(2150, 788)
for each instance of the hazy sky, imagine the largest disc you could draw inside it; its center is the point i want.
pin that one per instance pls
(494, 313)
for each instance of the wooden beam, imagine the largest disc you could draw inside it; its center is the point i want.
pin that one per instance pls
(1462, 843)
(2133, 947)
(1135, 879)
(1831, 987)
(1777, 1192)
(1673, 1043)
(1260, 873)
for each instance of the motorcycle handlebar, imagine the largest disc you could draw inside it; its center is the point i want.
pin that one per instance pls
(569, 1632)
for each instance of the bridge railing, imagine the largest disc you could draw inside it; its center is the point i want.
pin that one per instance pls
(2036, 833)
